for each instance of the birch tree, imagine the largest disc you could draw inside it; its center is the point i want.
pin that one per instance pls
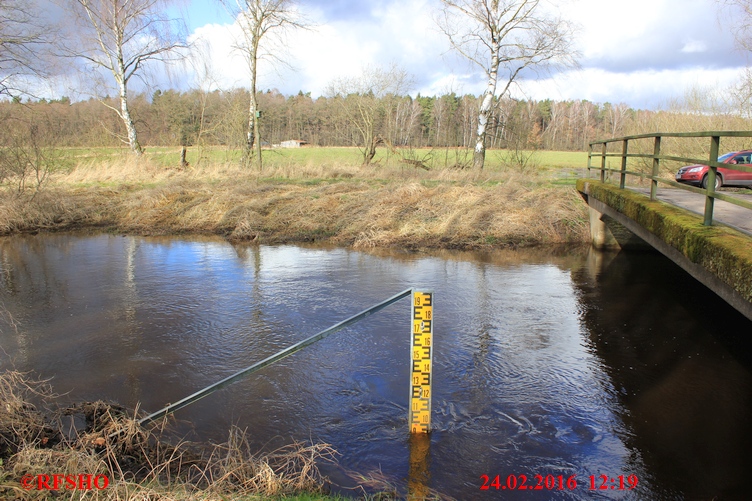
(121, 37)
(503, 38)
(258, 20)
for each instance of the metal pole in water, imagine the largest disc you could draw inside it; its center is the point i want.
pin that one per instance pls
(270, 360)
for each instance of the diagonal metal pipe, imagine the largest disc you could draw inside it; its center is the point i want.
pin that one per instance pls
(270, 360)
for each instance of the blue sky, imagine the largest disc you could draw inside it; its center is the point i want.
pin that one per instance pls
(199, 13)
(639, 52)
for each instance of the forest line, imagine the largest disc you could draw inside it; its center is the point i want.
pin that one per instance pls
(200, 118)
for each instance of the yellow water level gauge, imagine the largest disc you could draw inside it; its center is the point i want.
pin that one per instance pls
(421, 352)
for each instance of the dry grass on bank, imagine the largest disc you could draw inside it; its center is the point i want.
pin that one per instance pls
(345, 204)
(137, 462)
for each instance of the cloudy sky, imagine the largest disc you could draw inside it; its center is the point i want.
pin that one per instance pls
(639, 52)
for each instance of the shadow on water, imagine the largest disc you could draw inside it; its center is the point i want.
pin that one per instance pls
(679, 358)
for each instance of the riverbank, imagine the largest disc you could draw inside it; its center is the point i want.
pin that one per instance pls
(50, 449)
(99, 451)
(338, 203)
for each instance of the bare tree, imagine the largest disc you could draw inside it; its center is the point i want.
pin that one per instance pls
(504, 37)
(740, 15)
(204, 81)
(23, 36)
(617, 117)
(28, 154)
(404, 122)
(122, 37)
(364, 104)
(258, 19)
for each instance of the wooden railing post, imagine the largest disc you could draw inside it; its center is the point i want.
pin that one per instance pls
(623, 178)
(654, 181)
(589, 158)
(603, 163)
(710, 190)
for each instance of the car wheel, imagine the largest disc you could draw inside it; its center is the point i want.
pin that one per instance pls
(718, 181)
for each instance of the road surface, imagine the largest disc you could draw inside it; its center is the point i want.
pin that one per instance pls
(730, 214)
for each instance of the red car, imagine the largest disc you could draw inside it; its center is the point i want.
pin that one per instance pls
(698, 174)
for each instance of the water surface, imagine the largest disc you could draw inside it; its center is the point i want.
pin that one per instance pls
(571, 363)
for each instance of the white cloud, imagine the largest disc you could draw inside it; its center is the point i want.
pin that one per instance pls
(640, 89)
(215, 49)
(695, 46)
(395, 33)
(652, 34)
(641, 52)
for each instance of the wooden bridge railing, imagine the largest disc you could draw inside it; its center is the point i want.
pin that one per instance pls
(712, 161)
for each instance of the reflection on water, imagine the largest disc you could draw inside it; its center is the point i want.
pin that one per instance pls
(681, 360)
(419, 477)
(579, 363)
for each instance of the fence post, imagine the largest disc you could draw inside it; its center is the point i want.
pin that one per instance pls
(589, 158)
(653, 181)
(710, 190)
(603, 163)
(623, 177)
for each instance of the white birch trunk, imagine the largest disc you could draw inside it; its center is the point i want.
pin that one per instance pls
(129, 125)
(253, 138)
(251, 133)
(479, 155)
(125, 115)
(250, 138)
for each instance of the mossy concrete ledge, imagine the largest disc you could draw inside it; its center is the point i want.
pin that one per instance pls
(719, 256)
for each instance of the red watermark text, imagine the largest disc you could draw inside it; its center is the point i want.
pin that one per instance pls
(57, 482)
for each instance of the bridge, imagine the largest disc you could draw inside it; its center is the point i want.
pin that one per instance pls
(713, 244)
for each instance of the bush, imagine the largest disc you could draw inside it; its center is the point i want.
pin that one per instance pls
(27, 156)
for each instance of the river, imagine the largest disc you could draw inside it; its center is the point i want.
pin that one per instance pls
(570, 363)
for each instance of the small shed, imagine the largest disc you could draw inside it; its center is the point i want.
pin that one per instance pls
(293, 143)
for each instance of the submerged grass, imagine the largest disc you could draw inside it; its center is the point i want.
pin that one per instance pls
(309, 195)
(137, 462)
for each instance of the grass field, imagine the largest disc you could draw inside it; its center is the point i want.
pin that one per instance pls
(436, 157)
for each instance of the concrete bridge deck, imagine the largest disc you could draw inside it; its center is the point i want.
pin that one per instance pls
(718, 256)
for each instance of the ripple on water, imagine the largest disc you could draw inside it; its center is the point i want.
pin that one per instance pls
(530, 374)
